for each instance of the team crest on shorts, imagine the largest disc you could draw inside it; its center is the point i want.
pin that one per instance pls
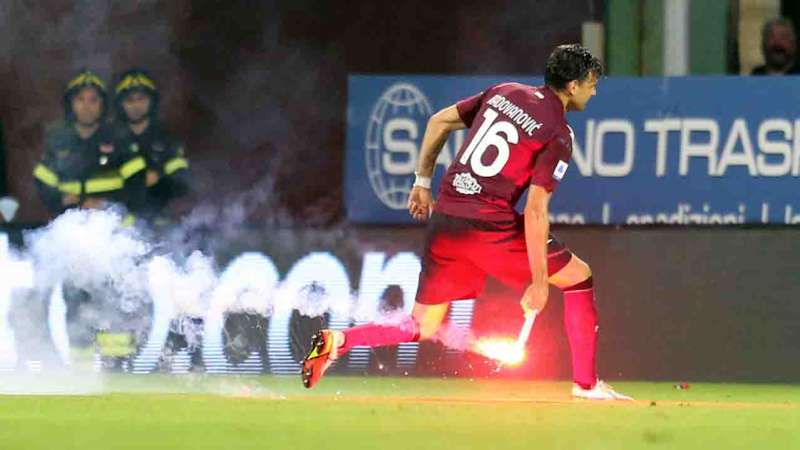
(561, 169)
(466, 184)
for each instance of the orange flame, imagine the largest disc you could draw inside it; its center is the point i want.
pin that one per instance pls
(505, 351)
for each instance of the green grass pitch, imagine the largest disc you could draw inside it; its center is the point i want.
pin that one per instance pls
(205, 412)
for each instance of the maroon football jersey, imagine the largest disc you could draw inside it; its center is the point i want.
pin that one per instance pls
(518, 135)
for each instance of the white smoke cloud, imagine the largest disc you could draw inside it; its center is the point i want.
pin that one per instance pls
(92, 250)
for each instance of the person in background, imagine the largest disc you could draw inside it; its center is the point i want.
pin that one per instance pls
(81, 166)
(779, 46)
(139, 131)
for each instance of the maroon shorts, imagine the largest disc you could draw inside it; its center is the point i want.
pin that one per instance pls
(460, 253)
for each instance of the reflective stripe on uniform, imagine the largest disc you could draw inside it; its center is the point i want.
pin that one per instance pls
(175, 164)
(70, 187)
(129, 220)
(86, 78)
(134, 81)
(45, 175)
(132, 167)
(95, 185)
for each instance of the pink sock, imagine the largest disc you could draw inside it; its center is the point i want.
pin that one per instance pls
(580, 321)
(392, 332)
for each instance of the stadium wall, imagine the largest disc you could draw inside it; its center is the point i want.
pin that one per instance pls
(675, 304)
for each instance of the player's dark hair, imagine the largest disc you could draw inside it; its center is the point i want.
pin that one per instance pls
(570, 62)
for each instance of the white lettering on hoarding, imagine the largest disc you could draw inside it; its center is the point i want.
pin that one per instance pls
(592, 159)
(250, 282)
(776, 153)
(401, 154)
(701, 150)
(16, 275)
(779, 147)
(601, 165)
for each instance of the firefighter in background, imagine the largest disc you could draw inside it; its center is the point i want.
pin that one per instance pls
(139, 131)
(81, 166)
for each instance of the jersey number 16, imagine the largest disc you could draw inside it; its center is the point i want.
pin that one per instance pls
(489, 135)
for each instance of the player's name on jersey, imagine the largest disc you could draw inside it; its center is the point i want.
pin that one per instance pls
(515, 113)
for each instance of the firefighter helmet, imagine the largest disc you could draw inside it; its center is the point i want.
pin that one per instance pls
(84, 78)
(136, 80)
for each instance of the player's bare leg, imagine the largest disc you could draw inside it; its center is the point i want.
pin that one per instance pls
(580, 322)
(574, 272)
(429, 318)
(328, 345)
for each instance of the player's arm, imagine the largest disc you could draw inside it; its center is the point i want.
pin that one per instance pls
(440, 125)
(537, 230)
(52, 190)
(175, 172)
(47, 183)
(548, 170)
(133, 172)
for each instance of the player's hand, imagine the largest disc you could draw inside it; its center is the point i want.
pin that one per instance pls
(93, 203)
(534, 298)
(151, 178)
(70, 199)
(420, 203)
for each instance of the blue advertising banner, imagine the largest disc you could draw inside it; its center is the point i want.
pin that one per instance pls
(677, 151)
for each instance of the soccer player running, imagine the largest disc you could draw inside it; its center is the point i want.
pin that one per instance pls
(518, 137)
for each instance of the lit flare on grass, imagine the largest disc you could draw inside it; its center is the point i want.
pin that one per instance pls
(505, 351)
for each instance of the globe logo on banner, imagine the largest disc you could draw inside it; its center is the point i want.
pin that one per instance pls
(394, 132)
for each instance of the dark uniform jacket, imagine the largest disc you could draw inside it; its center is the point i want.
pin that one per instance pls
(93, 167)
(164, 154)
